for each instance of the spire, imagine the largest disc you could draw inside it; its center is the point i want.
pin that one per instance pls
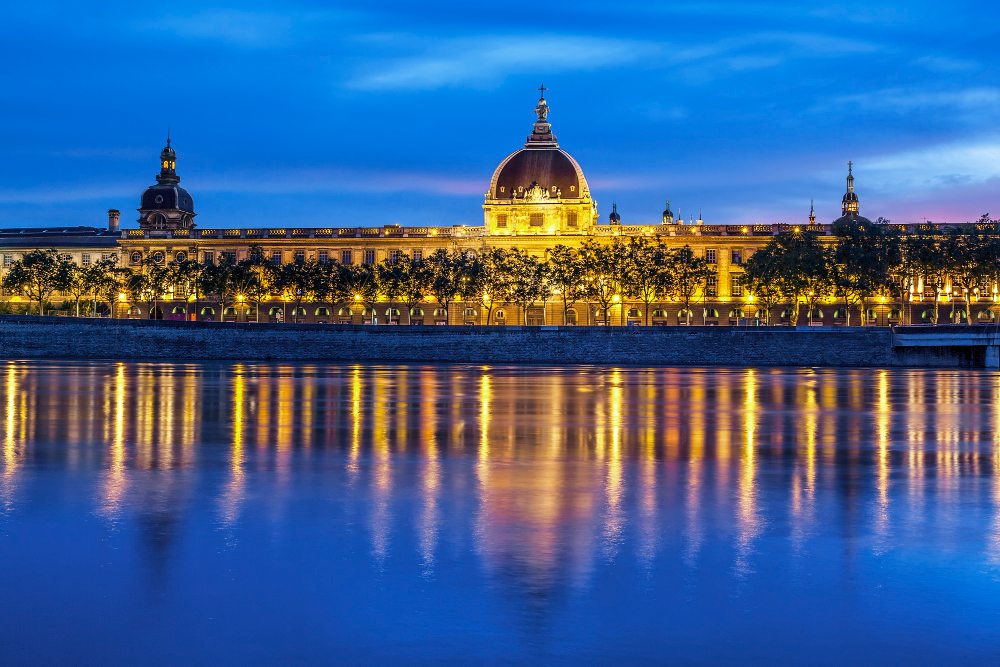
(168, 164)
(850, 203)
(541, 135)
(812, 213)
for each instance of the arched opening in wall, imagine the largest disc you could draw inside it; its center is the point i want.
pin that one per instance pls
(229, 314)
(157, 221)
(634, 317)
(298, 313)
(840, 316)
(471, 316)
(895, 315)
(440, 316)
(392, 315)
(787, 314)
(156, 313)
(135, 311)
(711, 317)
(814, 316)
(103, 310)
(684, 317)
(207, 314)
(178, 313)
(986, 316)
(735, 315)
(927, 315)
(571, 317)
(959, 316)
(659, 317)
(276, 314)
(535, 316)
(871, 317)
(322, 315)
(416, 315)
(598, 314)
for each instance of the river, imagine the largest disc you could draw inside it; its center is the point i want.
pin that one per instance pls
(163, 513)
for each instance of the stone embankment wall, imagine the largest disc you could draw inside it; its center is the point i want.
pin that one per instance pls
(25, 337)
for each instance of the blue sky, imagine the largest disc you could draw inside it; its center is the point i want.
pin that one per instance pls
(319, 114)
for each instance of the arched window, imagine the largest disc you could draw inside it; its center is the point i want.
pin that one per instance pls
(440, 312)
(500, 315)
(180, 256)
(711, 313)
(840, 314)
(659, 313)
(345, 312)
(684, 316)
(299, 312)
(471, 312)
(158, 257)
(230, 310)
(274, 310)
(571, 316)
(135, 257)
(208, 310)
(322, 311)
(736, 313)
(986, 315)
(179, 310)
(634, 312)
(895, 314)
(416, 312)
(815, 314)
(871, 314)
(926, 314)
(392, 312)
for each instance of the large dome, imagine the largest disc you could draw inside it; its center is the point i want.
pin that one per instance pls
(552, 169)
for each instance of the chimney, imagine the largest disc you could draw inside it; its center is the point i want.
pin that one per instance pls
(113, 216)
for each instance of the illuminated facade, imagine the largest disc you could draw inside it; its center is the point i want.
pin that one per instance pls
(537, 197)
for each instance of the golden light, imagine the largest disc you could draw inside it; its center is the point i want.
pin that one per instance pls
(241, 298)
(746, 230)
(881, 299)
(357, 297)
(121, 296)
(191, 297)
(616, 298)
(796, 229)
(750, 298)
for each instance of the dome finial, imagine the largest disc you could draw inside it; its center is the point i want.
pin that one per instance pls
(541, 136)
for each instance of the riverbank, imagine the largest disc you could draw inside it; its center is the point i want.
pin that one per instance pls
(27, 337)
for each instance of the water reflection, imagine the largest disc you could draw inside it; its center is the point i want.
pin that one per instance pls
(550, 479)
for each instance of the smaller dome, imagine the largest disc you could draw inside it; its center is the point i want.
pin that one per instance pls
(614, 218)
(166, 196)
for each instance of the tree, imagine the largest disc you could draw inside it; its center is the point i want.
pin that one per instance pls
(930, 263)
(302, 281)
(364, 278)
(864, 254)
(603, 270)
(488, 283)
(111, 282)
(527, 280)
(690, 273)
(74, 280)
(445, 276)
(802, 269)
(36, 275)
(647, 272)
(967, 254)
(188, 272)
(762, 280)
(566, 274)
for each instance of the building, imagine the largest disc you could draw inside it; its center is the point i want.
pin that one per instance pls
(537, 197)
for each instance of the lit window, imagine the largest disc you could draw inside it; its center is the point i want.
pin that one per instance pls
(418, 255)
(502, 221)
(571, 220)
(712, 286)
(536, 220)
(737, 257)
(710, 255)
(85, 259)
(737, 285)
(8, 260)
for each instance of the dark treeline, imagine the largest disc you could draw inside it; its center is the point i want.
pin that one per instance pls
(795, 270)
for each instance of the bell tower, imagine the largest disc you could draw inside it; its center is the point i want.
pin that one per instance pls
(166, 205)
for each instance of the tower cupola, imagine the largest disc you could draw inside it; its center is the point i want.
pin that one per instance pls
(850, 202)
(668, 215)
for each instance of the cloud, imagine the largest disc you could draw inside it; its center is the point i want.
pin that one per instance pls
(906, 100)
(939, 167)
(251, 29)
(463, 62)
(336, 180)
(487, 60)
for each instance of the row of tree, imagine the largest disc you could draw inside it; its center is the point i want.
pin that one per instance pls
(870, 260)
(796, 268)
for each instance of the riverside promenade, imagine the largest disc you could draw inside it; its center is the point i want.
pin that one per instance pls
(30, 337)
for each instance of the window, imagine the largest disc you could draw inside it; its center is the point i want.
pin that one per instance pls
(228, 256)
(536, 219)
(502, 219)
(136, 257)
(106, 255)
(85, 259)
(346, 257)
(571, 220)
(209, 257)
(369, 256)
(8, 260)
(710, 255)
(180, 256)
(736, 282)
(300, 257)
(737, 257)
(276, 257)
(712, 286)
(418, 255)
(158, 257)
(394, 256)
(324, 257)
